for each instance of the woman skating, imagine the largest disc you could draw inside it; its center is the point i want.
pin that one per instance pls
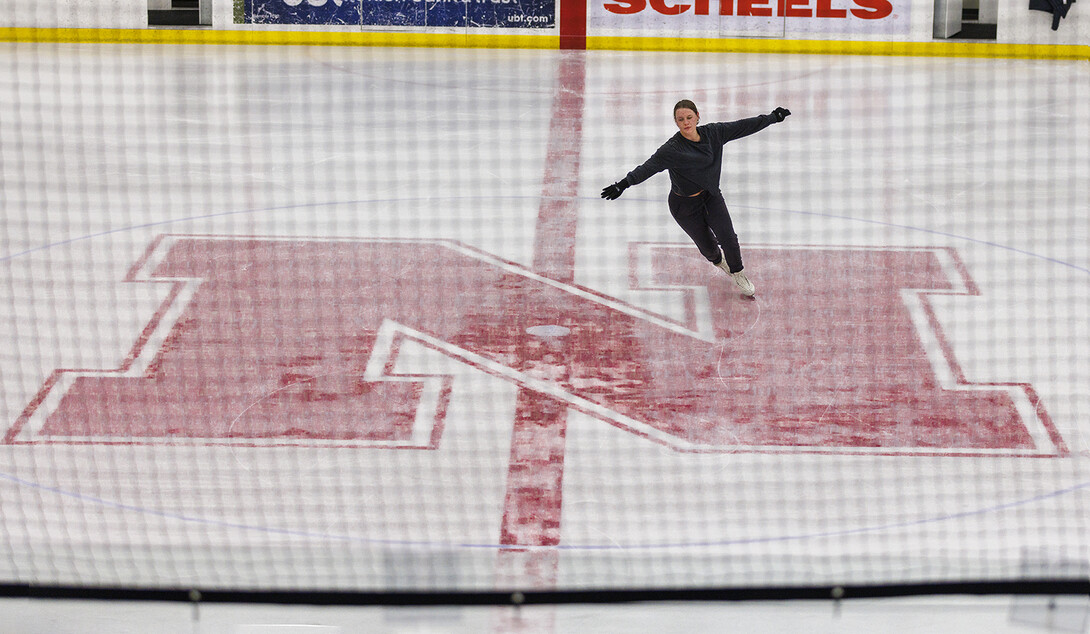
(694, 159)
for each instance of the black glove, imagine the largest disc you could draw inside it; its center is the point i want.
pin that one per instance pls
(779, 114)
(613, 192)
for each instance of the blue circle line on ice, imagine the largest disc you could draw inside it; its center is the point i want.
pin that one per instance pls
(260, 210)
(586, 547)
(392, 542)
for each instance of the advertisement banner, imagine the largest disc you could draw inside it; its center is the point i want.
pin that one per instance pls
(513, 14)
(711, 18)
(325, 12)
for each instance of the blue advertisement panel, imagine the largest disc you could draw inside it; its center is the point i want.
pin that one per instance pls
(326, 12)
(507, 14)
(511, 14)
(393, 12)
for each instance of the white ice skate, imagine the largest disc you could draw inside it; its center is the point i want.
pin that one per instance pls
(739, 278)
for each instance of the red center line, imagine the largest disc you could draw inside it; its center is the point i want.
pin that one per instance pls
(554, 248)
(573, 24)
(535, 473)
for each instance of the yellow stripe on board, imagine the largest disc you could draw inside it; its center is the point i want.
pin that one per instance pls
(278, 37)
(499, 41)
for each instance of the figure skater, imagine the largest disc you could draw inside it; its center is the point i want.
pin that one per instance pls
(694, 159)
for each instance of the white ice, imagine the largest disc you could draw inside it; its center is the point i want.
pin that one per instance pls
(105, 147)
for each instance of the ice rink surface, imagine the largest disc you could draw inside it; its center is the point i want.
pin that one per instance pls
(357, 319)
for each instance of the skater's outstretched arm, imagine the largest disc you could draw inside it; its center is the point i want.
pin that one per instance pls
(732, 130)
(658, 162)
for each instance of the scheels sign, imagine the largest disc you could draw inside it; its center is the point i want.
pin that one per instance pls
(863, 9)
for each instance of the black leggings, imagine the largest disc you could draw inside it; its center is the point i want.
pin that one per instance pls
(705, 218)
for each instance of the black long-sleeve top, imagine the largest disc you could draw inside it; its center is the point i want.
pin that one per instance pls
(697, 166)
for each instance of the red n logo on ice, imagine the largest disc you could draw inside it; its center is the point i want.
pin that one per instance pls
(274, 341)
